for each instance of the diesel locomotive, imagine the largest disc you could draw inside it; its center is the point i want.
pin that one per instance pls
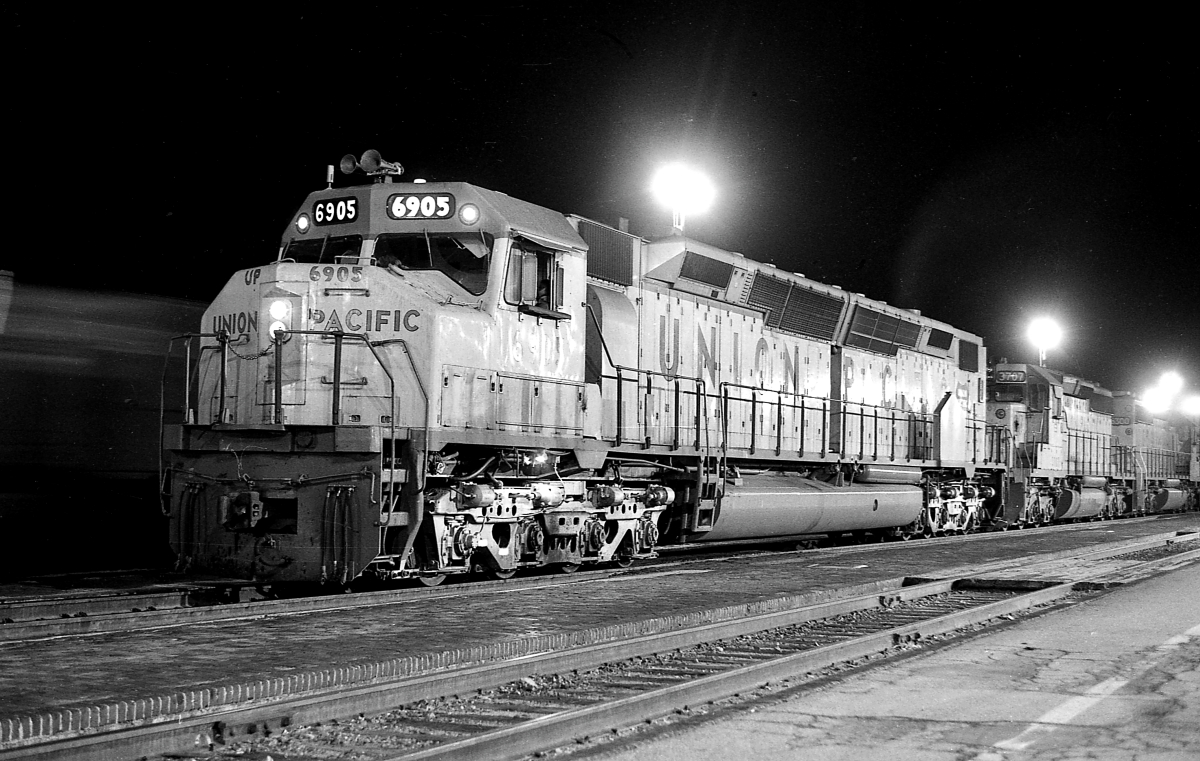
(435, 378)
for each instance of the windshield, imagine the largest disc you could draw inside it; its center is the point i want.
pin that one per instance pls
(462, 257)
(328, 250)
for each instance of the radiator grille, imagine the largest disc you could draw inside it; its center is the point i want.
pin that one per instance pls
(811, 313)
(796, 309)
(769, 293)
(881, 333)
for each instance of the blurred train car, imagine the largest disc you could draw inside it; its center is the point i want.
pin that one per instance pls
(80, 384)
(1083, 452)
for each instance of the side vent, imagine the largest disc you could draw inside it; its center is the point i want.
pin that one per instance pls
(702, 269)
(610, 252)
(939, 339)
(795, 308)
(881, 333)
(968, 356)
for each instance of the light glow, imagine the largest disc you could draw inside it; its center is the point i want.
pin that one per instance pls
(1044, 333)
(302, 223)
(684, 190)
(1156, 401)
(468, 213)
(1191, 406)
(1171, 383)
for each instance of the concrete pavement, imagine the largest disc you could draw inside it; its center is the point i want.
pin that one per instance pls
(1115, 678)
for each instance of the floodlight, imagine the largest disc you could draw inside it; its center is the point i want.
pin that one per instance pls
(684, 190)
(1044, 333)
(1171, 383)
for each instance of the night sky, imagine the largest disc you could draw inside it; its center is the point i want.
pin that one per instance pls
(983, 168)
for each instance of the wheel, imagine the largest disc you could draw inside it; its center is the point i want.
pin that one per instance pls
(432, 581)
(501, 573)
(623, 561)
(568, 567)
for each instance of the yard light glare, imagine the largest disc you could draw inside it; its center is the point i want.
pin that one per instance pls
(684, 190)
(1156, 401)
(1191, 406)
(1044, 333)
(1171, 383)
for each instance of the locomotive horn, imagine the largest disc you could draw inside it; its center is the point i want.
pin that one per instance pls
(348, 164)
(373, 163)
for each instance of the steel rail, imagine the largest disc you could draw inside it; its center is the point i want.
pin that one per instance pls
(185, 730)
(115, 613)
(562, 728)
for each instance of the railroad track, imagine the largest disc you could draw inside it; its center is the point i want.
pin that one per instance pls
(197, 603)
(542, 701)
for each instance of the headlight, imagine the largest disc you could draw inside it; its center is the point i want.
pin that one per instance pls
(280, 311)
(468, 213)
(302, 223)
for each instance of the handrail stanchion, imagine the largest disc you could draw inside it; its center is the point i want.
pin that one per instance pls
(620, 408)
(803, 407)
(224, 339)
(188, 416)
(337, 378)
(279, 378)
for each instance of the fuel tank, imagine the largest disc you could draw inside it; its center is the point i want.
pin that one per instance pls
(775, 505)
(1167, 500)
(1084, 503)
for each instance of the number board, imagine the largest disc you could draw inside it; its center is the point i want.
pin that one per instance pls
(421, 206)
(1010, 376)
(335, 211)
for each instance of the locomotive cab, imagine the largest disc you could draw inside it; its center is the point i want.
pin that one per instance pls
(419, 348)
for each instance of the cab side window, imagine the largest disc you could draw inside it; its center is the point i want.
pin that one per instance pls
(534, 280)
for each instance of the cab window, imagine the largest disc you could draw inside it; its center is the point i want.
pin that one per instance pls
(534, 280)
(328, 250)
(462, 257)
(1008, 392)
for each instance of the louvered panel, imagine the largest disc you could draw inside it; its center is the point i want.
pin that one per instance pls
(610, 255)
(810, 313)
(907, 333)
(769, 293)
(881, 333)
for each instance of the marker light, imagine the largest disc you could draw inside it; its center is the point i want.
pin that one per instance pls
(1190, 406)
(280, 310)
(468, 213)
(302, 223)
